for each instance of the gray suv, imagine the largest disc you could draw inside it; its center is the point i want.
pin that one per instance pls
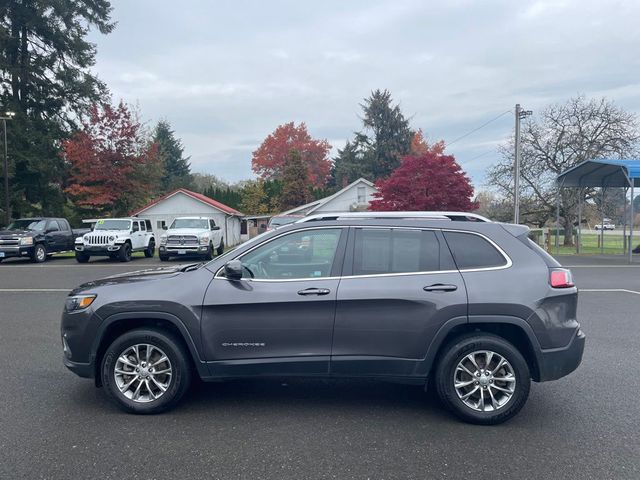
(469, 306)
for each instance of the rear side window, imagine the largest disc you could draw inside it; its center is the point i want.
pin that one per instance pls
(473, 251)
(380, 251)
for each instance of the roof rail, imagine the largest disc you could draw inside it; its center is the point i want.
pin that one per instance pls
(453, 216)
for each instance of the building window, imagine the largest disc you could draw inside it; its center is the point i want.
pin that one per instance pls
(161, 224)
(362, 195)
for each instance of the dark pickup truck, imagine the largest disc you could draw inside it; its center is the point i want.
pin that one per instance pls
(36, 238)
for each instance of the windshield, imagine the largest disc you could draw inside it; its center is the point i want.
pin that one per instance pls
(27, 224)
(279, 221)
(113, 225)
(190, 223)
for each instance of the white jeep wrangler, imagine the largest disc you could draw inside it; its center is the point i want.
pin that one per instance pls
(198, 236)
(116, 238)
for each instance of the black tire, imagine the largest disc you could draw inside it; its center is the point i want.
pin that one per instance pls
(209, 254)
(125, 253)
(462, 346)
(220, 249)
(179, 362)
(163, 258)
(82, 257)
(150, 251)
(39, 253)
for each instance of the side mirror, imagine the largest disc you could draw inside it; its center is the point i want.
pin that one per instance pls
(233, 270)
(215, 227)
(164, 227)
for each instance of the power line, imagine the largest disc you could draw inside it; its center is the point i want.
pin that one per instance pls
(478, 128)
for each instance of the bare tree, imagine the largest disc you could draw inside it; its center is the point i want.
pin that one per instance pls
(563, 136)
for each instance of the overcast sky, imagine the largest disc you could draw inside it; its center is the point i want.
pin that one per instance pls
(226, 73)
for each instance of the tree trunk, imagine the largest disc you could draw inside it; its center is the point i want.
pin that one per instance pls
(568, 230)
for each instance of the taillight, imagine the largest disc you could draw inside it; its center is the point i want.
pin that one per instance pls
(560, 278)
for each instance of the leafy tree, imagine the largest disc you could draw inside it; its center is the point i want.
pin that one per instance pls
(430, 181)
(420, 146)
(45, 78)
(376, 151)
(177, 171)
(113, 169)
(295, 183)
(564, 136)
(255, 200)
(269, 159)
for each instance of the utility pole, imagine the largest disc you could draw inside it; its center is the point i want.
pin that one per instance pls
(520, 114)
(7, 214)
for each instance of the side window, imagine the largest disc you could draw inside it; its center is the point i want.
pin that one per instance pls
(143, 226)
(135, 227)
(148, 224)
(53, 226)
(473, 251)
(211, 224)
(306, 254)
(380, 251)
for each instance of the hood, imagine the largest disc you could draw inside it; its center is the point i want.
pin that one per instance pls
(18, 233)
(147, 275)
(109, 232)
(186, 231)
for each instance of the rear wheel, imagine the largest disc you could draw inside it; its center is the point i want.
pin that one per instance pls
(82, 257)
(220, 249)
(125, 253)
(483, 379)
(146, 371)
(150, 250)
(39, 253)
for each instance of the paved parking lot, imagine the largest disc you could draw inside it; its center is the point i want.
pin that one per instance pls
(56, 425)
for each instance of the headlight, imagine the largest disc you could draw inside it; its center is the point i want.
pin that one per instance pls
(26, 241)
(111, 238)
(78, 302)
(163, 239)
(204, 240)
(86, 238)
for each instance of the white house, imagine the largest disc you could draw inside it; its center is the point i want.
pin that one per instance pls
(185, 203)
(352, 198)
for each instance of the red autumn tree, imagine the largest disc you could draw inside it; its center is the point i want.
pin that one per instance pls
(430, 181)
(113, 169)
(269, 159)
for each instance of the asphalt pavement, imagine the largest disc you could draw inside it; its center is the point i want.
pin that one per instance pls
(56, 425)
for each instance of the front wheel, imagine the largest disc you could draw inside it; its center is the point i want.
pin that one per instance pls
(125, 253)
(220, 249)
(39, 253)
(82, 257)
(483, 379)
(146, 371)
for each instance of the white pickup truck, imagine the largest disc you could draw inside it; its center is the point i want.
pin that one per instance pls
(191, 236)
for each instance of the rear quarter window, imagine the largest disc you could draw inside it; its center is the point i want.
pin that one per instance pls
(473, 251)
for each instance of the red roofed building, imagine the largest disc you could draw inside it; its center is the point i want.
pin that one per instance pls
(185, 203)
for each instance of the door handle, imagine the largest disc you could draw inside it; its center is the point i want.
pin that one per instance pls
(314, 291)
(440, 287)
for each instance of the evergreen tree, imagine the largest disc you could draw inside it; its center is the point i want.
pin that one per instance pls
(295, 182)
(376, 151)
(176, 167)
(45, 78)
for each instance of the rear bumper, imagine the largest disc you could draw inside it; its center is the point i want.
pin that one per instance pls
(558, 362)
(16, 251)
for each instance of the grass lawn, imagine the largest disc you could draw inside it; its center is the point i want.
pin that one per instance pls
(590, 244)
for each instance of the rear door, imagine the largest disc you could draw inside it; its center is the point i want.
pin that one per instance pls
(278, 319)
(54, 237)
(137, 236)
(399, 287)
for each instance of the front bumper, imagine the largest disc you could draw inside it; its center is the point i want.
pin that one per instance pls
(16, 251)
(558, 362)
(78, 331)
(97, 249)
(183, 250)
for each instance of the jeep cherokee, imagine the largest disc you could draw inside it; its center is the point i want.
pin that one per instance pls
(473, 308)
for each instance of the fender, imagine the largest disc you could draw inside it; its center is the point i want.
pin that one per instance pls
(424, 366)
(201, 366)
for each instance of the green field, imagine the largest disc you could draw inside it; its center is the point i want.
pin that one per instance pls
(613, 244)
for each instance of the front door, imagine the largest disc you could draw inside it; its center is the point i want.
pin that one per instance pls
(399, 287)
(278, 319)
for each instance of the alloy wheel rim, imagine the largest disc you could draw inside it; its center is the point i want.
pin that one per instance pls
(40, 253)
(143, 373)
(484, 381)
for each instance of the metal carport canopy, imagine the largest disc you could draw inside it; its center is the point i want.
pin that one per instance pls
(603, 173)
